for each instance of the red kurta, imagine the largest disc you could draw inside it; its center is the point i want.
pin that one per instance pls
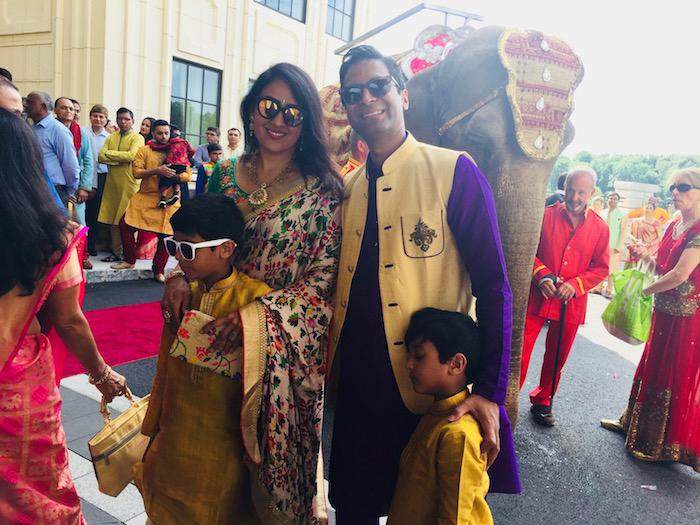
(579, 256)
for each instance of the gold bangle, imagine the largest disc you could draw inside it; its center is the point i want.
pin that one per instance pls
(101, 378)
(175, 274)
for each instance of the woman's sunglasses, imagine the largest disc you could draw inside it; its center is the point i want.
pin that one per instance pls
(682, 187)
(269, 107)
(377, 87)
(188, 250)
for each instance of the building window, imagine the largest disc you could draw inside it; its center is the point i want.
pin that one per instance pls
(293, 8)
(195, 101)
(339, 18)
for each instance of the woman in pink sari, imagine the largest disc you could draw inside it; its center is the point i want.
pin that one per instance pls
(40, 282)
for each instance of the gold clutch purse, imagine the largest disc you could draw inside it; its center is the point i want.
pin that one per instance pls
(119, 446)
(194, 347)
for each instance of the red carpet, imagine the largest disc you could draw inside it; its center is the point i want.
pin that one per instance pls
(123, 334)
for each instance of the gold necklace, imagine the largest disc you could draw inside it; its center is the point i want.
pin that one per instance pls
(259, 196)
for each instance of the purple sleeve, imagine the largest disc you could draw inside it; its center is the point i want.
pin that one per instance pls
(471, 215)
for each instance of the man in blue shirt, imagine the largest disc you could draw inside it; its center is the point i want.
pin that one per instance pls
(56, 142)
(201, 155)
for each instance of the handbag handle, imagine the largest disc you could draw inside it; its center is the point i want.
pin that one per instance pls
(104, 409)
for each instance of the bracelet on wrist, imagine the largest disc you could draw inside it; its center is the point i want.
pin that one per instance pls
(101, 378)
(175, 274)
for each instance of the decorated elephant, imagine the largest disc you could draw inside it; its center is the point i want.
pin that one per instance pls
(505, 97)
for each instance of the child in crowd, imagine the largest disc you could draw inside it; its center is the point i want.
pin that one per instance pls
(216, 153)
(193, 469)
(178, 152)
(442, 475)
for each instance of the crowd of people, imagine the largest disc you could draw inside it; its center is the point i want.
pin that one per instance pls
(273, 311)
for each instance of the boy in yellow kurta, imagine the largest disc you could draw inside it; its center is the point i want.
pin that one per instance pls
(442, 475)
(193, 471)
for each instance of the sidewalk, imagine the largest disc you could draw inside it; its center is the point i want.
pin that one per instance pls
(102, 273)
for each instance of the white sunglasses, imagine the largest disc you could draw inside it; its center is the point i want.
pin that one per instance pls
(188, 250)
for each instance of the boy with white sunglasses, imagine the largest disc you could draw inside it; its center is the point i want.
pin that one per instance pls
(193, 470)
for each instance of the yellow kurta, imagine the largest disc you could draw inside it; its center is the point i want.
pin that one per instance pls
(118, 152)
(143, 211)
(193, 472)
(442, 476)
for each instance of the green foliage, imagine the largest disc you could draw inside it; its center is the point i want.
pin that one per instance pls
(652, 169)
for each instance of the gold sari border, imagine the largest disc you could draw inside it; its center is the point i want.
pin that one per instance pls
(254, 350)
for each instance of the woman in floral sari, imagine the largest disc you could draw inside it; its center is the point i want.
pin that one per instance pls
(289, 192)
(40, 282)
(662, 419)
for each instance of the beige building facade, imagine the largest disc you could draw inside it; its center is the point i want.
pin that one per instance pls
(194, 58)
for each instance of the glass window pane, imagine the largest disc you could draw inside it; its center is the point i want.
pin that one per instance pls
(286, 7)
(194, 83)
(194, 140)
(329, 21)
(194, 118)
(331, 3)
(209, 115)
(177, 113)
(211, 87)
(338, 25)
(347, 28)
(298, 9)
(349, 7)
(179, 79)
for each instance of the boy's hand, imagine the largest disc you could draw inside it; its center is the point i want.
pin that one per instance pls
(175, 302)
(487, 415)
(229, 331)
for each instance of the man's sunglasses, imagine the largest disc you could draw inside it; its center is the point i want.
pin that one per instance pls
(188, 250)
(682, 187)
(377, 87)
(269, 107)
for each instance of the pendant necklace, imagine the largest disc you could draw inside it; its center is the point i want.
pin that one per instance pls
(259, 196)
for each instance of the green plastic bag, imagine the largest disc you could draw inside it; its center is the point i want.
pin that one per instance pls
(628, 316)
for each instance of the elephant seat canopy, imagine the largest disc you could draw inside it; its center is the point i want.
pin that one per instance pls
(543, 72)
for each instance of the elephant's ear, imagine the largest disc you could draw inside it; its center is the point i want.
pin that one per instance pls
(543, 73)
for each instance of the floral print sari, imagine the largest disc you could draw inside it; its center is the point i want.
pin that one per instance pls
(293, 244)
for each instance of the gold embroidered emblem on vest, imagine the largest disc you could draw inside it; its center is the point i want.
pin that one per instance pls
(423, 235)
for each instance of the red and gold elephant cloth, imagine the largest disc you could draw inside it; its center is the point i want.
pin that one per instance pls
(543, 73)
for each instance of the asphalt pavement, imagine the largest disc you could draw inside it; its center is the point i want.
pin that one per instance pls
(573, 473)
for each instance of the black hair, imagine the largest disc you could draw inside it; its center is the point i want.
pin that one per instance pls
(614, 193)
(365, 52)
(5, 73)
(174, 128)
(211, 148)
(234, 129)
(211, 216)
(127, 110)
(450, 332)
(215, 130)
(160, 122)
(152, 121)
(75, 102)
(32, 225)
(311, 156)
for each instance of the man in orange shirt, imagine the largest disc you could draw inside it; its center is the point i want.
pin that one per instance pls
(572, 258)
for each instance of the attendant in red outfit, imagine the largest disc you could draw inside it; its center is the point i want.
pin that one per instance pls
(572, 258)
